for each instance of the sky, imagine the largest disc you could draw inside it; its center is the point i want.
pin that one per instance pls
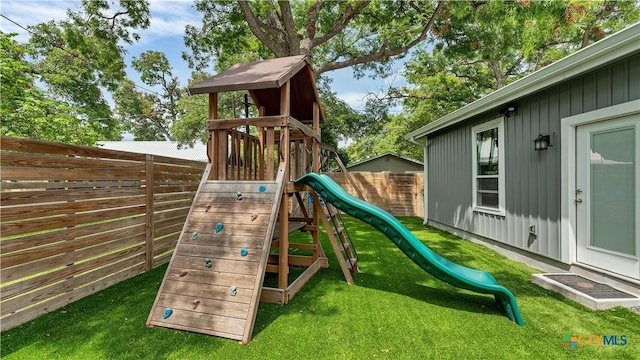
(168, 20)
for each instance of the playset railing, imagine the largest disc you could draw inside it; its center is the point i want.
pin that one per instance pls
(238, 155)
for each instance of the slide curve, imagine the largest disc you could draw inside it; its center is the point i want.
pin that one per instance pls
(443, 269)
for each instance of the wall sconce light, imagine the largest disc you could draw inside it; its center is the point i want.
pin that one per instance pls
(508, 110)
(542, 142)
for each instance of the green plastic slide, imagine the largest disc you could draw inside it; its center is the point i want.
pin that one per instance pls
(436, 265)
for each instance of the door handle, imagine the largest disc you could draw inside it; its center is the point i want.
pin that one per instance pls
(578, 201)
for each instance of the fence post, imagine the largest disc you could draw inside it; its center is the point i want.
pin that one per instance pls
(149, 183)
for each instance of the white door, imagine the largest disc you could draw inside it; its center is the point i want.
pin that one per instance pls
(608, 195)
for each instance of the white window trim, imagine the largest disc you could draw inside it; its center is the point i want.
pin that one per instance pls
(499, 123)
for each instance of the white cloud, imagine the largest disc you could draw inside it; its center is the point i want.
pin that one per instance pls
(27, 13)
(354, 99)
(169, 18)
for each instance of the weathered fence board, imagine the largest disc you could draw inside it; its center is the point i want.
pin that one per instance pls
(78, 219)
(399, 194)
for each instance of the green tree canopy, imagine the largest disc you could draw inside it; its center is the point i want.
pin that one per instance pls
(365, 35)
(481, 46)
(28, 111)
(75, 61)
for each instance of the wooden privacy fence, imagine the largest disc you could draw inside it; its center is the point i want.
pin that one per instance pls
(399, 194)
(75, 220)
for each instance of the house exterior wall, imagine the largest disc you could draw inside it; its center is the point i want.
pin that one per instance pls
(388, 163)
(532, 178)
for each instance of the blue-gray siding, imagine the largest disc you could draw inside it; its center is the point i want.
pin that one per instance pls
(532, 179)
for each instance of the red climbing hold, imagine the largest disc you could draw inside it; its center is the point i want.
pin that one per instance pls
(195, 304)
(184, 273)
(254, 216)
(207, 208)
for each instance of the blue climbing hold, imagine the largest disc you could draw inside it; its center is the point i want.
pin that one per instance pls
(167, 312)
(233, 291)
(194, 235)
(207, 262)
(244, 252)
(239, 195)
(262, 188)
(219, 227)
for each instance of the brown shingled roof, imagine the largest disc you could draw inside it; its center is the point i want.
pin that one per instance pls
(264, 79)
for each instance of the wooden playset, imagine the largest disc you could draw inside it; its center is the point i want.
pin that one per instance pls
(262, 184)
(239, 223)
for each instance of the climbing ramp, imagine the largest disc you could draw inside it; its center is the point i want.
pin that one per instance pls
(214, 279)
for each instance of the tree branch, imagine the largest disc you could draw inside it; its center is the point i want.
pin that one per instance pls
(290, 27)
(262, 31)
(340, 25)
(312, 18)
(514, 66)
(587, 30)
(382, 52)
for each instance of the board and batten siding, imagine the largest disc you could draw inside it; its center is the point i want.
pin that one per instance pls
(532, 178)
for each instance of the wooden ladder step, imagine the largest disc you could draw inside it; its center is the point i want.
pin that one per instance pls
(344, 246)
(337, 231)
(351, 263)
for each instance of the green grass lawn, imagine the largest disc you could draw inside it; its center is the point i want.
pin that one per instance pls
(395, 311)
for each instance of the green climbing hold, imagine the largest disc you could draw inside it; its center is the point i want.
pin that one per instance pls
(233, 291)
(207, 262)
(239, 195)
(194, 235)
(219, 227)
(243, 252)
(262, 188)
(167, 312)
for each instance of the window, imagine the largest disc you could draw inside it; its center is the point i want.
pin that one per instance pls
(488, 167)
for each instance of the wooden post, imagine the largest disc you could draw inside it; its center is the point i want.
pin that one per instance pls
(150, 228)
(261, 139)
(283, 265)
(270, 150)
(213, 135)
(317, 209)
(223, 146)
(316, 144)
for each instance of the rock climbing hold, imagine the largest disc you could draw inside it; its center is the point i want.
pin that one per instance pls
(254, 216)
(219, 227)
(207, 262)
(233, 291)
(194, 235)
(244, 252)
(167, 312)
(195, 303)
(207, 208)
(184, 272)
(207, 265)
(262, 188)
(239, 195)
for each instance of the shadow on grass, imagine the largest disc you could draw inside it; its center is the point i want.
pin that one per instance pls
(111, 322)
(395, 272)
(451, 298)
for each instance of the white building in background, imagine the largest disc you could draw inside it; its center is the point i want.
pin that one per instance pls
(161, 148)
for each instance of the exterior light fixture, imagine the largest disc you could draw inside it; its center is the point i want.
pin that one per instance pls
(508, 110)
(542, 142)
